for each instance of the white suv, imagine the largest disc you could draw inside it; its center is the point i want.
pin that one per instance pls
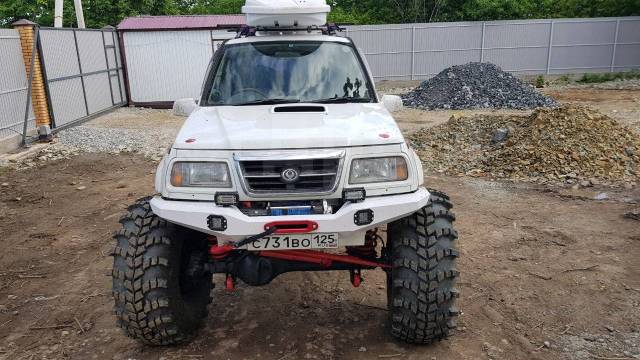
(289, 154)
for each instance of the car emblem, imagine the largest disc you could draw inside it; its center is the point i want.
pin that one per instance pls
(289, 175)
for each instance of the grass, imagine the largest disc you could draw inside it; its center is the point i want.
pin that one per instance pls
(600, 78)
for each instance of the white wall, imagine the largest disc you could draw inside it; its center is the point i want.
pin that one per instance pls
(168, 65)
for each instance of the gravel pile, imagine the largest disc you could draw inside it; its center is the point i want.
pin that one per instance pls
(571, 144)
(475, 85)
(152, 144)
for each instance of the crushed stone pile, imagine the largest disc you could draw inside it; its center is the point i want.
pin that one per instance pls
(150, 143)
(71, 142)
(475, 85)
(571, 144)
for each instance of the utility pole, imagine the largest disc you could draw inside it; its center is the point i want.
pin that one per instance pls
(79, 13)
(57, 19)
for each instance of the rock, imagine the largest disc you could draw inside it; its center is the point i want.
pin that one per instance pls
(500, 135)
(11, 297)
(517, 257)
(629, 151)
(5, 184)
(546, 344)
(633, 215)
(81, 188)
(601, 196)
(609, 328)
(585, 183)
(493, 314)
(64, 333)
(362, 349)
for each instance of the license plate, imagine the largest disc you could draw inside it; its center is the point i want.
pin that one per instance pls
(295, 241)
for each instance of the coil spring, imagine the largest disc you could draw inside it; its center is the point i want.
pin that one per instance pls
(368, 250)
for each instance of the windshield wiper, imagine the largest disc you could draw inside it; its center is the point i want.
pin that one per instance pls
(341, 100)
(269, 102)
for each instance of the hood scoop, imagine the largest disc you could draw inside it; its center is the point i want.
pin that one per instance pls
(300, 109)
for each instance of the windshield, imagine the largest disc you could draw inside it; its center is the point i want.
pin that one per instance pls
(288, 71)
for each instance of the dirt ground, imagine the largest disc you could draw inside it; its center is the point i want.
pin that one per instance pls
(546, 273)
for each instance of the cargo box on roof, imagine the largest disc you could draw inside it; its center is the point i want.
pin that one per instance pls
(286, 13)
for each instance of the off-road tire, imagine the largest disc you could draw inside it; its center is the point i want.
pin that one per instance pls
(160, 288)
(421, 293)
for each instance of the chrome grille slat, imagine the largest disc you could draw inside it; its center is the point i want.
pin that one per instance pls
(316, 175)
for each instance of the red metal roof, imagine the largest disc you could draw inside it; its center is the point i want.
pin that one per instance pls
(180, 22)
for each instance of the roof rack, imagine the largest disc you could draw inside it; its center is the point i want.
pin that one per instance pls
(327, 29)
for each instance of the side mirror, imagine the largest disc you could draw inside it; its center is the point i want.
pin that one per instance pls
(184, 107)
(393, 103)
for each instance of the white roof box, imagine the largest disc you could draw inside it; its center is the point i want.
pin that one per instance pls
(286, 13)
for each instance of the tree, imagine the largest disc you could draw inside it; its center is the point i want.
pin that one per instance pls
(99, 13)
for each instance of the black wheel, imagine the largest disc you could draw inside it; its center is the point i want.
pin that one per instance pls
(420, 286)
(160, 286)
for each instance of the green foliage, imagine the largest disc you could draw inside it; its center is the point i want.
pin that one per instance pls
(600, 78)
(99, 13)
(540, 81)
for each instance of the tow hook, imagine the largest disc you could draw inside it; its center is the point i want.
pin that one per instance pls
(229, 283)
(355, 277)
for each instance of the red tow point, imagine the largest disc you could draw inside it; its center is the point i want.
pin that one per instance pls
(229, 284)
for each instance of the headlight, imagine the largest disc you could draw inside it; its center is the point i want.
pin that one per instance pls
(200, 174)
(375, 170)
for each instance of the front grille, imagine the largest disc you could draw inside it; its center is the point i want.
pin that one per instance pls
(315, 175)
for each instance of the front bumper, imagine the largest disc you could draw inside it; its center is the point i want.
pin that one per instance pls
(239, 226)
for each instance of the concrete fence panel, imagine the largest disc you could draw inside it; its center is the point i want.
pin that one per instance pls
(558, 46)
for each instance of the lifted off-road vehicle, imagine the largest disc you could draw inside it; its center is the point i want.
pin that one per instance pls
(290, 162)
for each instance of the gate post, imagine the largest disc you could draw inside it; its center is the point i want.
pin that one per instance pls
(26, 29)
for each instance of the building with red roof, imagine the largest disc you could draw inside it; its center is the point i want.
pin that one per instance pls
(166, 57)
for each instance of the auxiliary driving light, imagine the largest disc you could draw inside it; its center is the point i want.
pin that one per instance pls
(226, 199)
(217, 223)
(363, 217)
(354, 195)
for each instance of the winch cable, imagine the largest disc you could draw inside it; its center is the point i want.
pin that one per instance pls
(253, 238)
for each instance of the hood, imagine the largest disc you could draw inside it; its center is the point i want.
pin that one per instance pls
(264, 127)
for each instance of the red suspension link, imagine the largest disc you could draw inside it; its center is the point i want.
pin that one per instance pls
(321, 258)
